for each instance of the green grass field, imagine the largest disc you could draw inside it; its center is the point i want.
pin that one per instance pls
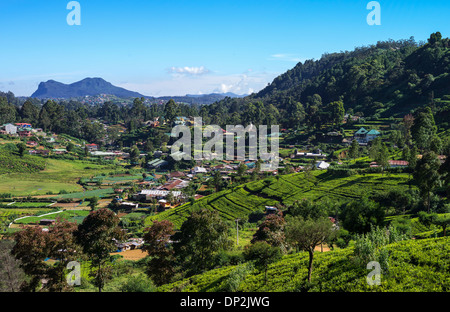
(25, 204)
(87, 194)
(59, 175)
(72, 216)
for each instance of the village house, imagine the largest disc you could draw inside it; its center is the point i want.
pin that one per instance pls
(322, 165)
(271, 210)
(157, 163)
(128, 206)
(24, 125)
(9, 128)
(37, 130)
(180, 121)
(131, 244)
(302, 154)
(363, 136)
(59, 151)
(50, 139)
(92, 147)
(175, 184)
(47, 222)
(148, 195)
(163, 205)
(176, 174)
(31, 144)
(24, 132)
(398, 163)
(198, 170)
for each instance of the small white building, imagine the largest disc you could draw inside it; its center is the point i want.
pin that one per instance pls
(10, 128)
(322, 165)
(198, 170)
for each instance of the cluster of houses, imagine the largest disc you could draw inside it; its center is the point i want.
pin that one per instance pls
(22, 130)
(26, 130)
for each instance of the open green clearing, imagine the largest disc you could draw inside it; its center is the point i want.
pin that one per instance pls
(58, 175)
(6, 213)
(25, 204)
(71, 216)
(100, 193)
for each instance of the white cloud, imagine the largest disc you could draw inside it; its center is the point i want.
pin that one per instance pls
(194, 71)
(285, 57)
(203, 84)
(224, 88)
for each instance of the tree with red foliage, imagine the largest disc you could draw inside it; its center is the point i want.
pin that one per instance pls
(31, 249)
(61, 246)
(157, 244)
(271, 230)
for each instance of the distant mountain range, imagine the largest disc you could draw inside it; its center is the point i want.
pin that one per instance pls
(85, 87)
(95, 86)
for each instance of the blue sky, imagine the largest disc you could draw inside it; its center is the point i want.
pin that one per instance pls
(168, 47)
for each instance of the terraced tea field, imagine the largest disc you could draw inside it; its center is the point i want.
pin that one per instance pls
(254, 196)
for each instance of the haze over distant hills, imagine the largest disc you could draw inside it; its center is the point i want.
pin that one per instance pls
(96, 86)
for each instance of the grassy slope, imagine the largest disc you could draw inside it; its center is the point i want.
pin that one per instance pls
(414, 265)
(254, 196)
(58, 175)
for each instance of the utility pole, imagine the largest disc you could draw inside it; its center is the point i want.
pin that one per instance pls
(237, 231)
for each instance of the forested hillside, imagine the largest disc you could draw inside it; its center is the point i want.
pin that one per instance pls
(390, 78)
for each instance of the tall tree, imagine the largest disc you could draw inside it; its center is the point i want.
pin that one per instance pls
(424, 128)
(61, 246)
(354, 150)
(382, 158)
(134, 154)
(271, 230)
(31, 250)
(158, 246)
(307, 234)
(200, 237)
(337, 112)
(29, 112)
(262, 254)
(97, 235)
(8, 113)
(170, 111)
(358, 216)
(11, 275)
(427, 176)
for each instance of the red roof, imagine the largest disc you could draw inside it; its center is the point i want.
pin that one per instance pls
(172, 184)
(398, 163)
(176, 174)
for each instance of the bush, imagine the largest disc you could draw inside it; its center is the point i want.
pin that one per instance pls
(224, 258)
(341, 172)
(138, 283)
(235, 278)
(426, 218)
(371, 246)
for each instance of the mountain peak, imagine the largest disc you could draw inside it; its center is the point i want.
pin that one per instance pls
(84, 87)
